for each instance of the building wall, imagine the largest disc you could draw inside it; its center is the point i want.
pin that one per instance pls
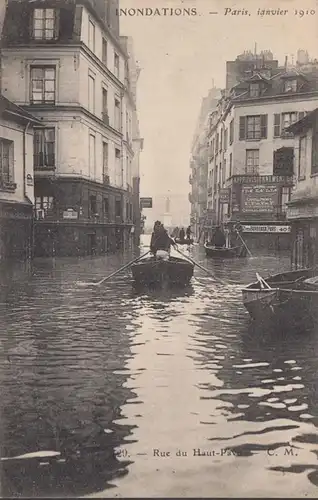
(13, 132)
(270, 144)
(15, 207)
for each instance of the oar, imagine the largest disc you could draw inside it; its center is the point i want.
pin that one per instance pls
(97, 283)
(248, 251)
(201, 267)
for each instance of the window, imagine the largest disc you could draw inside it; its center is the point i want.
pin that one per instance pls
(118, 208)
(232, 131)
(302, 157)
(290, 86)
(42, 85)
(92, 155)
(91, 93)
(104, 51)
(44, 148)
(252, 161)
(127, 126)
(106, 207)
(92, 205)
(314, 150)
(117, 114)
(225, 139)
(221, 139)
(116, 65)
(44, 24)
(284, 120)
(288, 119)
(105, 162)
(254, 90)
(285, 198)
(253, 127)
(230, 166)
(91, 36)
(45, 203)
(6, 162)
(217, 144)
(105, 106)
(127, 210)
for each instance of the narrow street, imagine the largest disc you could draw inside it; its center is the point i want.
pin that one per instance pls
(153, 393)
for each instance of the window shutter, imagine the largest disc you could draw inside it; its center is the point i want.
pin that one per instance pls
(263, 126)
(277, 125)
(242, 128)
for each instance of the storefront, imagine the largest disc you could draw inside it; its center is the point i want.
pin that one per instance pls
(303, 216)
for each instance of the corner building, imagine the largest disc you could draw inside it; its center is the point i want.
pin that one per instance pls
(64, 62)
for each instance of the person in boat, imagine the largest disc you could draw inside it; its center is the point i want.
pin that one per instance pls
(218, 239)
(188, 232)
(181, 234)
(160, 241)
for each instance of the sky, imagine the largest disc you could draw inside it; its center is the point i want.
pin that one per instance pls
(181, 57)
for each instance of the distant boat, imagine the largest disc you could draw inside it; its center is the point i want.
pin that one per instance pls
(186, 241)
(290, 298)
(224, 252)
(152, 271)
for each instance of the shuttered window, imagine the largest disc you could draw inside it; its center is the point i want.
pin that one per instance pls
(314, 151)
(253, 127)
(284, 120)
(232, 131)
(277, 125)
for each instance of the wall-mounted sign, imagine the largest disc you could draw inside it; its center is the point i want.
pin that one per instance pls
(29, 180)
(224, 195)
(259, 198)
(266, 229)
(70, 214)
(145, 203)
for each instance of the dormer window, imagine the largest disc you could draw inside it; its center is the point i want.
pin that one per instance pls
(44, 24)
(290, 85)
(255, 90)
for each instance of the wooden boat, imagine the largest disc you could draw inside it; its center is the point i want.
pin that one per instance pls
(285, 298)
(186, 241)
(152, 271)
(224, 252)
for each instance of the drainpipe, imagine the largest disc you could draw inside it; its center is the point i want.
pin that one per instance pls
(30, 246)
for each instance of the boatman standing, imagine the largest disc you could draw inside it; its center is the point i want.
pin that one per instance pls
(160, 242)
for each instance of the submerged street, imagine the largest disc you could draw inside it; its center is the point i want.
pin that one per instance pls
(153, 393)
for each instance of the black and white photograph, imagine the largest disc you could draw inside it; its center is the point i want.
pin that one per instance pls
(158, 249)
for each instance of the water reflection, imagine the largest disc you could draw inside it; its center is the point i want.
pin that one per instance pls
(102, 376)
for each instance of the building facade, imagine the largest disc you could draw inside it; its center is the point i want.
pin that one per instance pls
(16, 180)
(64, 62)
(251, 153)
(198, 178)
(303, 206)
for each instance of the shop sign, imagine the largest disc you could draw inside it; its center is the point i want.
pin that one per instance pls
(145, 203)
(259, 198)
(225, 195)
(70, 214)
(266, 229)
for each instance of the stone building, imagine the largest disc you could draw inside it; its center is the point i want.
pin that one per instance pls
(64, 62)
(303, 206)
(199, 166)
(251, 152)
(16, 180)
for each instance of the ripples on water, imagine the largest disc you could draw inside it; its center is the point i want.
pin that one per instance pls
(103, 376)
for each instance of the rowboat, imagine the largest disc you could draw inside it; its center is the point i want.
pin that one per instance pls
(153, 271)
(224, 252)
(287, 298)
(186, 241)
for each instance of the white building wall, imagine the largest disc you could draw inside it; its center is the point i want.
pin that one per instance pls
(13, 132)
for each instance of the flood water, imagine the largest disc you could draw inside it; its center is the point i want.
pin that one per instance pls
(120, 393)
